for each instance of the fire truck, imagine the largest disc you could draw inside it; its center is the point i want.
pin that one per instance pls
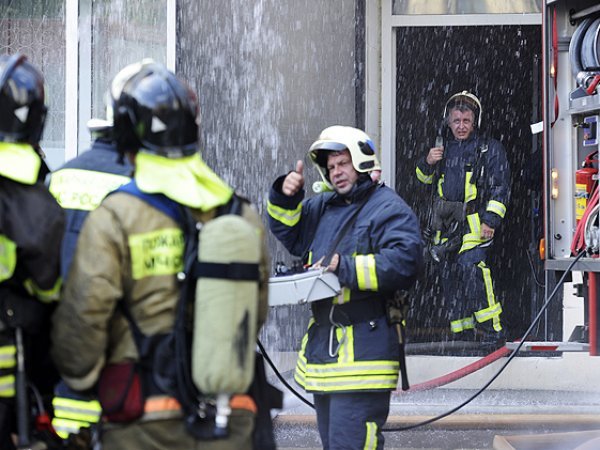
(571, 139)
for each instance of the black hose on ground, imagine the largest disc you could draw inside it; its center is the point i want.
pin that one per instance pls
(472, 397)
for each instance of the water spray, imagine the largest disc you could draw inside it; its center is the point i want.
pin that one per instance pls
(453, 375)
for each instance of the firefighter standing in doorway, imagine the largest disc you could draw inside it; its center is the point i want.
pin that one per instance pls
(31, 230)
(126, 266)
(365, 233)
(471, 180)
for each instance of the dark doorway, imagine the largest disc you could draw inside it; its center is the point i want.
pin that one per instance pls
(501, 65)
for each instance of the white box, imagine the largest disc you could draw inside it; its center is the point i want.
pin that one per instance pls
(309, 286)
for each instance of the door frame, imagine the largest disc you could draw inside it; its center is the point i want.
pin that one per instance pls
(380, 74)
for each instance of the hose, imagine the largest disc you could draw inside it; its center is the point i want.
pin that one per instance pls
(440, 381)
(460, 373)
(506, 363)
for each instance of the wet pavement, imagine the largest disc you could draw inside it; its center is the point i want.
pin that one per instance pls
(493, 414)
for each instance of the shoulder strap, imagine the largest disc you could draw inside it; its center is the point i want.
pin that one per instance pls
(479, 166)
(159, 201)
(348, 224)
(313, 231)
(234, 270)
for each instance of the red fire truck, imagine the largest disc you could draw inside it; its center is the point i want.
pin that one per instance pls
(571, 98)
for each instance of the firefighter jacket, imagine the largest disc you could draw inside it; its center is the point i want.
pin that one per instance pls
(31, 230)
(81, 184)
(475, 172)
(349, 346)
(127, 250)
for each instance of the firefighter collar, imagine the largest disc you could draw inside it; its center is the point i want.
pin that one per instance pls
(19, 162)
(188, 181)
(363, 187)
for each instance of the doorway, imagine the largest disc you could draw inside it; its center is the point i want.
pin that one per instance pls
(501, 65)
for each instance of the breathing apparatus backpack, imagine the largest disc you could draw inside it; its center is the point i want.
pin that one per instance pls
(210, 354)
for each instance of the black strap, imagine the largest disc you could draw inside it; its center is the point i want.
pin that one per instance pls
(479, 166)
(347, 225)
(231, 271)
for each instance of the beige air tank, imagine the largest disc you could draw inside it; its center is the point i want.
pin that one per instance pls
(225, 316)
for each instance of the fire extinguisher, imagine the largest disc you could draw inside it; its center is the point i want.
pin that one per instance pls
(585, 179)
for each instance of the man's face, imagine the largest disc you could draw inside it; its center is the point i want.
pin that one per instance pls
(342, 174)
(461, 123)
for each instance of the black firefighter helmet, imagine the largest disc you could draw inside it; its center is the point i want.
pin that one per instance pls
(154, 111)
(22, 107)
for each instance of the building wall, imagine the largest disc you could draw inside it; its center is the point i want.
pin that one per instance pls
(270, 76)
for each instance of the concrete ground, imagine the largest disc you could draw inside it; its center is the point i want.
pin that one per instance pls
(537, 402)
(493, 416)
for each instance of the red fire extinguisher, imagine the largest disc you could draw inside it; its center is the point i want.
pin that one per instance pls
(585, 179)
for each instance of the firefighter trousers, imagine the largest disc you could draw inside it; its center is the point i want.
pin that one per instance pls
(469, 294)
(352, 421)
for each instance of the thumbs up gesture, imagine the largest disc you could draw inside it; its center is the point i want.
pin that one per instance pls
(294, 181)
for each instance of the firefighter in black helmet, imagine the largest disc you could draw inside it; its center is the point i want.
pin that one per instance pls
(471, 178)
(31, 228)
(79, 186)
(129, 255)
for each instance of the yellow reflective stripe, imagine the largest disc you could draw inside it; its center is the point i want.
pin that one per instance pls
(83, 189)
(337, 384)
(8, 257)
(470, 189)
(64, 427)
(288, 217)
(439, 186)
(466, 323)
(19, 162)
(309, 260)
(496, 207)
(156, 253)
(342, 297)
(494, 309)
(7, 386)
(300, 372)
(366, 275)
(473, 238)
(45, 295)
(488, 313)
(424, 178)
(8, 358)
(81, 410)
(346, 351)
(371, 438)
(382, 367)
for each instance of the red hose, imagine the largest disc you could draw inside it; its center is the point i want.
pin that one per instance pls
(460, 373)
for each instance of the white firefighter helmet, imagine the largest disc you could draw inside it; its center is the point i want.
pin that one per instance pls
(338, 138)
(465, 98)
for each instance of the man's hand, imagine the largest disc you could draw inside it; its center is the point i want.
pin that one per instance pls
(294, 181)
(435, 154)
(333, 264)
(486, 231)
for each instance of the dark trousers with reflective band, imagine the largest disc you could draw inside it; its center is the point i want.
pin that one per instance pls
(352, 421)
(469, 293)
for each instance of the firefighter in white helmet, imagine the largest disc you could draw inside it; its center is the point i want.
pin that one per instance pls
(470, 176)
(365, 233)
